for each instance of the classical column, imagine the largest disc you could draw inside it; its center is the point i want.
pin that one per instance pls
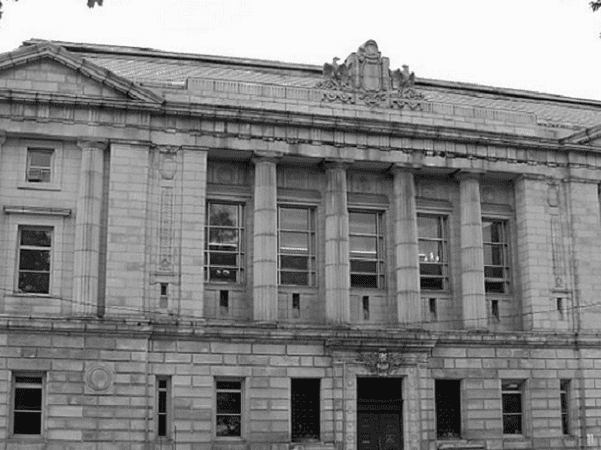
(406, 248)
(87, 228)
(472, 252)
(337, 270)
(265, 267)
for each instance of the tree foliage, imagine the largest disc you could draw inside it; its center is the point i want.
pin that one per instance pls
(595, 5)
(91, 4)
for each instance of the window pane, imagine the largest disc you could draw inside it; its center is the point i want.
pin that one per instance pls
(301, 278)
(305, 410)
(222, 239)
(228, 426)
(294, 262)
(40, 158)
(223, 259)
(448, 409)
(358, 265)
(223, 274)
(430, 269)
(512, 424)
(228, 403)
(512, 403)
(232, 385)
(29, 399)
(27, 423)
(223, 215)
(430, 251)
(494, 287)
(36, 238)
(294, 219)
(162, 425)
(492, 231)
(37, 283)
(363, 247)
(162, 401)
(35, 260)
(363, 223)
(364, 280)
(294, 242)
(493, 255)
(431, 284)
(429, 227)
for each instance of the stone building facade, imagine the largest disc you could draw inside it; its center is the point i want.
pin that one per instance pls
(219, 253)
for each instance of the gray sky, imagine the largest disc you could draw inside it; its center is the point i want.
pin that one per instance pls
(541, 45)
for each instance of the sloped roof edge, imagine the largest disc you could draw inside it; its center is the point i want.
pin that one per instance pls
(308, 69)
(45, 49)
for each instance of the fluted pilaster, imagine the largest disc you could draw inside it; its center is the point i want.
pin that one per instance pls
(337, 270)
(406, 248)
(87, 228)
(472, 252)
(265, 288)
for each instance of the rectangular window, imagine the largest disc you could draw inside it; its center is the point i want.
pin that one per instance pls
(305, 400)
(296, 246)
(496, 256)
(27, 411)
(224, 237)
(564, 396)
(39, 165)
(448, 409)
(511, 392)
(163, 386)
(366, 244)
(433, 258)
(35, 244)
(229, 408)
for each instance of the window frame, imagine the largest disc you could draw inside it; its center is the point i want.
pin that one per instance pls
(317, 422)
(310, 254)
(241, 414)
(30, 166)
(55, 182)
(443, 240)
(13, 398)
(458, 435)
(380, 259)
(166, 390)
(505, 252)
(564, 404)
(520, 390)
(21, 247)
(241, 252)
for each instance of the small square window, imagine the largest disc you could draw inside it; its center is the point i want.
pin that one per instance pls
(35, 245)
(39, 165)
(306, 407)
(27, 404)
(228, 408)
(512, 397)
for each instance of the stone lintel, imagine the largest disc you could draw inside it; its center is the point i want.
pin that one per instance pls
(100, 144)
(470, 174)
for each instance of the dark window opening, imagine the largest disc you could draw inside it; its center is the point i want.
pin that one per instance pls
(512, 406)
(494, 309)
(229, 408)
(564, 394)
(433, 309)
(305, 410)
(296, 306)
(162, 408)
(224, 303)
(365, 307)
(28, 405)
(34, 259)
(448, 409)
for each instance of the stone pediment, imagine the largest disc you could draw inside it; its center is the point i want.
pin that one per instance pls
(49, 69)
(365, 78)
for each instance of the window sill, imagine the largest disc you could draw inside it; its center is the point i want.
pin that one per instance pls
(39, 186)
(32, 295)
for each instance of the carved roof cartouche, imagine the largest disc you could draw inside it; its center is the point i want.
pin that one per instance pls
(365, 77)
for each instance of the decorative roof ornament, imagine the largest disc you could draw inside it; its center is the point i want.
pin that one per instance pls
(365, 77)
(382, 363)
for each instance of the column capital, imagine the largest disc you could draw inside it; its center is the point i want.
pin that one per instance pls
(333, 164)
(397, 169)
(100, 144)
(477, 175)
(260, 156)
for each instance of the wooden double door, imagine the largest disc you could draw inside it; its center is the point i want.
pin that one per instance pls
(379, 414)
